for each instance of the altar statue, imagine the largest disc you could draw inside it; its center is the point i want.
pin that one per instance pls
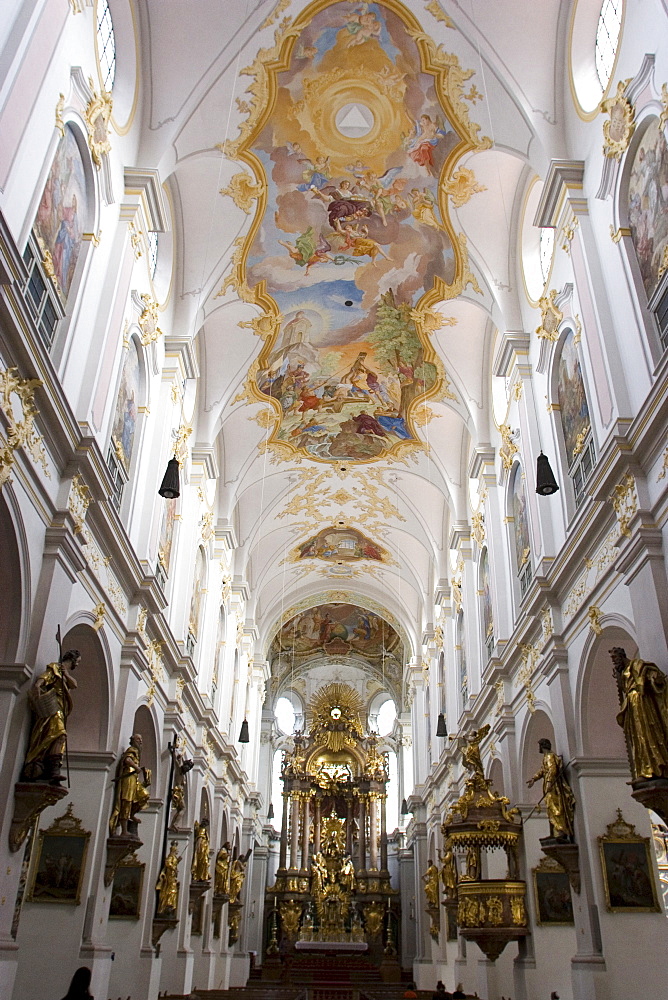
(51, 704)
(131, 794)
(430, 879)
(557, 793)
(221, 879)
(199, 869)
(167, 885)
(643, 714)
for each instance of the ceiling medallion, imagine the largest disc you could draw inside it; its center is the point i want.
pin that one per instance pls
(357, 123)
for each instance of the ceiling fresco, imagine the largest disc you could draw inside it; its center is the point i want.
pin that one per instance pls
(357, 122)
(340, 545)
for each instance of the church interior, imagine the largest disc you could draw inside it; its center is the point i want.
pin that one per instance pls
(334, 499)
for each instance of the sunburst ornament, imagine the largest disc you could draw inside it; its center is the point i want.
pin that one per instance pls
(337, 709)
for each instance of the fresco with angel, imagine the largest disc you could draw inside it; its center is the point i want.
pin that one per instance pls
(367, 121)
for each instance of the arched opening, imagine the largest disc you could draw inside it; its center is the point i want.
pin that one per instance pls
(144, 725)
(87, 727)
(539, 727)
(12, 590)
(601, 735)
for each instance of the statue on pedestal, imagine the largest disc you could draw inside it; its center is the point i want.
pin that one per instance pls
(131, 794)
(221, 879)
(237, 877)
(557, 793)
(643, 714)
(167, 885)
(199, 869)
(449, 873)
(430, 879)
(51, 704)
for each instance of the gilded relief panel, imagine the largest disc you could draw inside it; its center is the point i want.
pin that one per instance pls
(362, 125)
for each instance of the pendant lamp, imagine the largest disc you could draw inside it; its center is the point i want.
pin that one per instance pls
(243, 735)
(405, 811)
(170, 488)
(441, 728)
(270, 811)
(546, 484)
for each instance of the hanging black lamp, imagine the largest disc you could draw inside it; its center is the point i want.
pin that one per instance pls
(270, 811)
(405, 811)
(170, 488)
(441, 728)
(546, 484)
(244, 735)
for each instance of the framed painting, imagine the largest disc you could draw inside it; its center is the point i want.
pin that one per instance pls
(552, 894)
(628, 877)
(60, 861)
(126, 890)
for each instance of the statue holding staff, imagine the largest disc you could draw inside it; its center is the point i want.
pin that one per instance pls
(51, 704)
(643, 714)
(557, 793)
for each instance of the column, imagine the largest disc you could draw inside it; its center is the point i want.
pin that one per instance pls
(305, 829)
(316, 826)
(283, 855)
(383, 834)
(373, 831)
(294, 832)
(362, 839)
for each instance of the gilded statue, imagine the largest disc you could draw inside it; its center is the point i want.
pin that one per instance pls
(449, 872)
(430, 879)
(557, 793)
(374, 767)
(178, 803)
(221, 878)
(471, 753)
(237, 878)
(199, 869)
(643, 714)
(347, 875)
(320, 875)
(167, 885)
(131, 786)
(51, 704)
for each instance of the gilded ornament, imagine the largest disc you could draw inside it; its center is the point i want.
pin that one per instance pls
(547, 624)
(624, 499)
(291, 914)
(199, 869)
(517, 390)
(243, 191)
(478, 526)
(616, 234)
(436, 10)
(136, 242)
(275, 13)
(664, 467)
(663, 266)
(663, 117)
(508, 449)
(60, 107)
(530, 657)
(99, 611)
(20, 431)
(167, 885)
(462, 186)
(77, 6)
(264, 326)
(550, 316)
(148, 319)
(594, 614)
(181, 443)
(568, 232)
(78, 502)
(620, 126)
(431, 880)
(97, 116)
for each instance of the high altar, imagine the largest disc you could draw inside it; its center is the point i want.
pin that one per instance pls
(332, 889)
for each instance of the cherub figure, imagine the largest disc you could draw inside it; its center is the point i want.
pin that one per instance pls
(426, 134)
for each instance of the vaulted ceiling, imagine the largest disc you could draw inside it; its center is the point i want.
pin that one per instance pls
(278, 497)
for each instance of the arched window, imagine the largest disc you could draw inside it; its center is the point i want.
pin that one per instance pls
(648, 219)
(284, 712)
(387, 713)
(574, 416)
(607, 39)
(152, 253)
(124, 424)
(106, 45)
(462, 667)
(486, 603)
(519, 512)
(196, 601)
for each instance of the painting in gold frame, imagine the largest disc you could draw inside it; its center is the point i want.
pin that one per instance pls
(60, 862)
(628, 876)
(126, 890)
(552, 894)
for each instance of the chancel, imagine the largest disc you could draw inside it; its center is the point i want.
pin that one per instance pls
(333, 499)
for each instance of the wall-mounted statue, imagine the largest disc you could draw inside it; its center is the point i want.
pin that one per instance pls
(51, 704)
(557, 793)
(131, 794)
(199, 870)
(643, 714)
(221, 881)
(237, 877)
(167, 885)
(430, 879)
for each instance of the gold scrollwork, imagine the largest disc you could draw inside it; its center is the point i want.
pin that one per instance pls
(550, 316)
(462, 186)
(435, 9)
(620, 126)
(60, 106)
(21, 431)
(624, 499)
(148, 320)
(508, 449)
(478, 526)
(97, 116)
(663, 117)
(243, 191)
